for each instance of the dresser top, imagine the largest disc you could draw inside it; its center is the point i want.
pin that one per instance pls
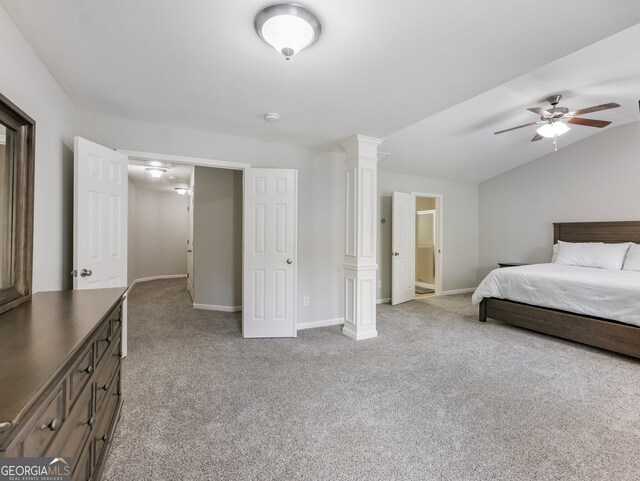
(38, 337)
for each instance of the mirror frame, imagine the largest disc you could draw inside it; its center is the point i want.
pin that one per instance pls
(22, 227)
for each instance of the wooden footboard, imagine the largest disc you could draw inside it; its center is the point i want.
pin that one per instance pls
(610, 335)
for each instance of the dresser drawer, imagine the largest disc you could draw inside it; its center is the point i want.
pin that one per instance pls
(103, 342)
(107, 376)
(46, 427)
(80, 375)
(82, 466)
(105, 419)
(76, 430)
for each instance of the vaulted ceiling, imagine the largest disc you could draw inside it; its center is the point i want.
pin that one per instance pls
(378, 68)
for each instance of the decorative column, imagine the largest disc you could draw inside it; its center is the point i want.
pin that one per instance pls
(360, 256)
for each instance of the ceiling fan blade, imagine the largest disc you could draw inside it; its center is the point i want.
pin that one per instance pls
(514, 128)
(540, 111)
(588, 122)
(596, 108)
(537, 137)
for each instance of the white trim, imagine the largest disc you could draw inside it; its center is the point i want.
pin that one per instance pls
(154, 278)
(180, 159)
(440, 226)
(324, 323)
(385, 300)
(213, 307)
(459, 291)
(358, 335)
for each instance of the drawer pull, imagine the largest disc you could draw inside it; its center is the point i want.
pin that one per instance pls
(108, 339)
(104, 388)
(53, 425)
(90, 422)
(87, 370)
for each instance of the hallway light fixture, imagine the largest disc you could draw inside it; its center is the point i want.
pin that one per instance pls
(156, 172)
(181, 190)
(287, 27)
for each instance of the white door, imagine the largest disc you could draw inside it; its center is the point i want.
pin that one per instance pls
(100, 220)
(403, 255)
(190, 247)
(270, 236)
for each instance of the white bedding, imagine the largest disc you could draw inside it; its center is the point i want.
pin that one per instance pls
(606, 293)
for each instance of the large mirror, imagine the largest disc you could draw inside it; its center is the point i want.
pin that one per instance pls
(17, 144)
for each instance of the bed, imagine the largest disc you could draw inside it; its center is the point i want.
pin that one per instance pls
(611, 323)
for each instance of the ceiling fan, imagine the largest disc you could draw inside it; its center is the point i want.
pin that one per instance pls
(554, 120)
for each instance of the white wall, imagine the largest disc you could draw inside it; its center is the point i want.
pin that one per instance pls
(596, 179)
(460, 228)
(217, 237)
(321, 194)
(27, 83)
(157, 233)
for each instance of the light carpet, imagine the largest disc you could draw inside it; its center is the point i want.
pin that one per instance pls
(437, 396)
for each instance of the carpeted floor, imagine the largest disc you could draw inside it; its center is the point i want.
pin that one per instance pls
(437, 396)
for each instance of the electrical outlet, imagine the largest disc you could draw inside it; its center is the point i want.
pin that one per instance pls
(379, 284)
(305, 300)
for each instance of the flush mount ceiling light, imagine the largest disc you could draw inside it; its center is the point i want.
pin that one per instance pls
(156, 172)
(181, 190)
(287, 27)
(553, 129)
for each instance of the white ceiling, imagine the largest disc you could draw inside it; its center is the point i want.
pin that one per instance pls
(378, 67)
(458, 143)
(176, 176)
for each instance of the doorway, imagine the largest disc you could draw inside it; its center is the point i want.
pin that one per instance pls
(427, 247)
(416, 239)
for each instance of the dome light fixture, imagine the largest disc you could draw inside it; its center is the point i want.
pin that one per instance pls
(553, 129)
(288, 27)
(156, 172)
(181, 190)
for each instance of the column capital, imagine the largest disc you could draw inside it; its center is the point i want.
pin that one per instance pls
(361, 146)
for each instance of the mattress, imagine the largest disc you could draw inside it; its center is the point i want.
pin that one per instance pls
(605, 293)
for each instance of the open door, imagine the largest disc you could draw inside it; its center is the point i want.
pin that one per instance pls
(190, 245)
(270, 248)
(100, 219)
(403, 238)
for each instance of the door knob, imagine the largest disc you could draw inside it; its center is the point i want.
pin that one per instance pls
(85, 273)
(289, 261)
(396, 253)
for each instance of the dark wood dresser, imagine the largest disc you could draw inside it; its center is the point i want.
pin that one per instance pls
(60, 377)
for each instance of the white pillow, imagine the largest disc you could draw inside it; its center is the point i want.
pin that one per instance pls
(554, 253)
(592, 254)
(632, 261)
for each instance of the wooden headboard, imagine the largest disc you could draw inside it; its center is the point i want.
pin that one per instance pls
(622, 231)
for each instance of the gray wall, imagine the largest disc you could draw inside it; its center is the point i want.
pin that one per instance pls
(592, 180)
(26, 81)
(460, 228)
(157, 234)
(217, 237)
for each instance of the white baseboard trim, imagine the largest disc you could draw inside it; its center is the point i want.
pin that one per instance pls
(213, 307)
(386, 300)
(459, 291)
(323, 323)
(155, 278)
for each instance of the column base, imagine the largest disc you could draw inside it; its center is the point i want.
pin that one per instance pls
(358, 336)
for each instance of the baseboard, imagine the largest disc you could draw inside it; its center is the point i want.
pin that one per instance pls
(386, 300)
(323, 323)
(213, 307)
(459, 291)
(156, 278)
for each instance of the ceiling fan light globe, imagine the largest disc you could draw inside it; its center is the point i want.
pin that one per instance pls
(553, 129)
(288, 34)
